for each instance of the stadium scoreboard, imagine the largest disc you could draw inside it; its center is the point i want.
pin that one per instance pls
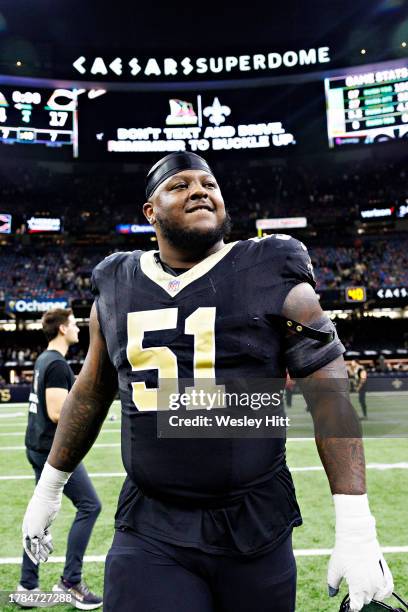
(364, 105)
(367, 108)
(355, 294)
(37, 116)
(135, 123)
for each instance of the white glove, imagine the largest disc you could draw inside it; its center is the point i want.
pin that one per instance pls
(357, 555)
(41, 511)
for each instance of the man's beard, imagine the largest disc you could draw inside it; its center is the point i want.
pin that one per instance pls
(193, 241)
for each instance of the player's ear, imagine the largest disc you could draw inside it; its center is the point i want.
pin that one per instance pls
(148, 212)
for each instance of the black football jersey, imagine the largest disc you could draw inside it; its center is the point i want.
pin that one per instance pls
(214, 320)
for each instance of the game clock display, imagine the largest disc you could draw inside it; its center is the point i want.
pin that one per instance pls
(31, 116)
(355, 294)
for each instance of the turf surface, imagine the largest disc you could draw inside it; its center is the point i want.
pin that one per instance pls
(387, 490)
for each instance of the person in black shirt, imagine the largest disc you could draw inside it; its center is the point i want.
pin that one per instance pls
(362, 388)
(52, 381)
(358, 380)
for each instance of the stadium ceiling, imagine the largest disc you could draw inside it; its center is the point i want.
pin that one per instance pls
(162, 26)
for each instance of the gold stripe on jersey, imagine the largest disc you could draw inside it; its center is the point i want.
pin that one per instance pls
(174, 284)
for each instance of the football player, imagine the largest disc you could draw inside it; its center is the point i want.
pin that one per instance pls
(205, 524)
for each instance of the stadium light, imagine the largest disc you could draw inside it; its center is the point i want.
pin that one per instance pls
(403, 44)
(19, 63)
(363, 51)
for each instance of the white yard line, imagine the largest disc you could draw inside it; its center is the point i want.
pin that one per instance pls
(321, 552)
(312, 468)
(22, 432)
(13, 433)
(92, 475)
(300, 552)
(19, 448)
(87, 559)
(379, 438)
(369, 466)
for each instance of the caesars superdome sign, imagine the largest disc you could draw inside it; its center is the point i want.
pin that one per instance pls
(198, 68)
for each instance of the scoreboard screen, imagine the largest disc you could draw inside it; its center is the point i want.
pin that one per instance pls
(36, 116)
(5, 223)
(355, 294)
(116, 124)
(36, 225)
(367, 108)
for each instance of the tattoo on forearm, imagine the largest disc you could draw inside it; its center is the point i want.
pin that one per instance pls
(343, 460)
(338, 430)
(82, 416)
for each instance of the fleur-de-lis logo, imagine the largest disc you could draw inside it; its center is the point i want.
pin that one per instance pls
(217, 112)
(397, 384)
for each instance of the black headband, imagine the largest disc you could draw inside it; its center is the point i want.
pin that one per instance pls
(171, 164)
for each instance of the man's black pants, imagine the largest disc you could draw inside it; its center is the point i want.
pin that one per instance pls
(146, 575)
(80, 490)
(362, 399)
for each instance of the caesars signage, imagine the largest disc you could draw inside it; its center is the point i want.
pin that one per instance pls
(389, 293)
(23, 306)
(148, 68)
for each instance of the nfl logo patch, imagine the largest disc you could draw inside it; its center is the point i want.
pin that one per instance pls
(173, 285)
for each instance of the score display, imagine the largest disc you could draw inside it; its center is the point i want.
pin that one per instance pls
(367, 108)
(355, 294)
(37, 116)
(5, 223)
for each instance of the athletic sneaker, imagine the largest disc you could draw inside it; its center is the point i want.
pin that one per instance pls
(82, 597)
(29, 604)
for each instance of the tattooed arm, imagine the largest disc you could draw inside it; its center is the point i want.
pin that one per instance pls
(87, 404)
(356, 556)
(334, 421)
(337, 429)
(81, 418)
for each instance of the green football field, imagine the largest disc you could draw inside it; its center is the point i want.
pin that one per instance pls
(387, 460)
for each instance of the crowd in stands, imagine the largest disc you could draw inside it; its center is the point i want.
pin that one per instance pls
(95, 199)
(64, 271)
(49, 273)
(372, 263)
(19, 356)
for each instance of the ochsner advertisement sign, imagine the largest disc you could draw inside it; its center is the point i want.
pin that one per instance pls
(31, 305)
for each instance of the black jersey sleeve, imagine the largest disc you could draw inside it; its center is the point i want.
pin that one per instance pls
(298, 266)
(303, 354)
(104, 284)
(58, 375)
(286, 263)
(104, 271)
